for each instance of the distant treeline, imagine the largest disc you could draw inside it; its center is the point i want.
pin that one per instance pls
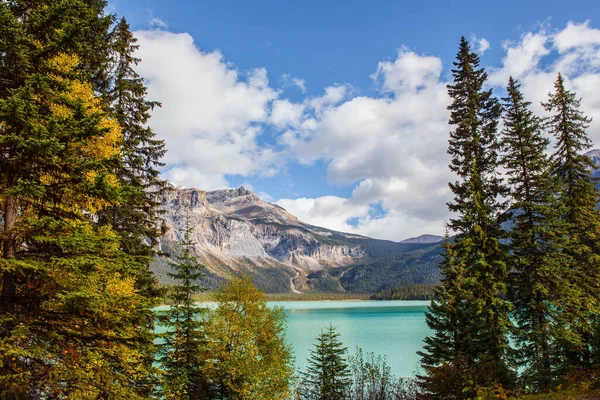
(409, 292)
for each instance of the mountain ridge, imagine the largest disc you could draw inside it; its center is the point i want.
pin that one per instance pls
(237, 232)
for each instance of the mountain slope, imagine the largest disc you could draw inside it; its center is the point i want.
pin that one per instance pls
(237, 232)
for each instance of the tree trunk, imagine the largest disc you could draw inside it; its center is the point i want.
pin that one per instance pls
(9, 288)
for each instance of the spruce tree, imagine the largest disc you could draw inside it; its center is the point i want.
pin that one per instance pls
(327, 376)
(473, 146)
(444, 354)
(184, 338)
(136, 219)
(538, 284)
(69, 309)
(579, 197)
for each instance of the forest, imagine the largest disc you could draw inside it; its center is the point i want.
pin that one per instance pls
(516, 313)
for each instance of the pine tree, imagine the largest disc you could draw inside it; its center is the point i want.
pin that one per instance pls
(246, 356)
(327, 376)
(184, 338)
(538, 285)
(579, 197)
(69, 310)
(473, 146)
(445, 353)
(135, 219)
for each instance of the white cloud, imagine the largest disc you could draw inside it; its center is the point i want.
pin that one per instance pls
(409, 72)
(522, 58)
(576, 36)
(482, 46)
(158, 23)
(286, 113)
(328, 211)
(211, 116)
(391, 147)
(288, 80)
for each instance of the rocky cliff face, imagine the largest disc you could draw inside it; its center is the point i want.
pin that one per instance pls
(235, 231)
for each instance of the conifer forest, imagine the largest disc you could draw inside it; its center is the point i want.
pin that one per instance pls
(516, 313)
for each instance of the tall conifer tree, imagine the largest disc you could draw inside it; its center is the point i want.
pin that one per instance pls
(180, 354)
(136, 219)
(579, 197)
(69, 309)
(538, 285)
(473, 146)
(444, 354)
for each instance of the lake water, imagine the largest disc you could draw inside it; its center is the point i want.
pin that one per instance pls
(395, 329)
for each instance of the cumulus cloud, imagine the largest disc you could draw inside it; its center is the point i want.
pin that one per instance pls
(537, 57)
(393, 148)
(390, 147)
(211, 113)
(328, 211)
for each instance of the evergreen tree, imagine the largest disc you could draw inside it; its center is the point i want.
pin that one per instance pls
(445, 353)
(327, 376)
(180, 354)
(135, 219)
(538, 286)
(246, 356)
(69, 310)
(579, 197)
(473, 146)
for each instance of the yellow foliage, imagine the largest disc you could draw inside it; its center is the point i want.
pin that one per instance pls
(96, 148)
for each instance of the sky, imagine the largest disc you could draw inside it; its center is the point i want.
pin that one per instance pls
(336, 110)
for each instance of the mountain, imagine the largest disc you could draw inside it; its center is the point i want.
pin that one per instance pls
(237, 232)
(424, 239)
(594, 155)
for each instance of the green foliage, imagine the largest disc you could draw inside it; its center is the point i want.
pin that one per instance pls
(539, 287)
(135, 217)
(327, 376)
(246, 356)
(408, 292)
(578, 196)
(73, 324)
(470, 314)
(184, 339)
(418, 266)
(371, 378)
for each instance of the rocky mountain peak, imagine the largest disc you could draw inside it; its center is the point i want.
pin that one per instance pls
(424, 239)
(594, 155)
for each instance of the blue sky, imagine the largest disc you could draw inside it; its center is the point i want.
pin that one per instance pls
(336, 109)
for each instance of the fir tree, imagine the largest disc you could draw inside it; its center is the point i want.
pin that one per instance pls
(579, 197)
(327, 376)
(180, 354)
(444, 355)
(538, 286)
(473, 146)
(136, 219)
(69, 309)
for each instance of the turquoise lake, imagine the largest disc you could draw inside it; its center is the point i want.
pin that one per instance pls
(395, 329)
